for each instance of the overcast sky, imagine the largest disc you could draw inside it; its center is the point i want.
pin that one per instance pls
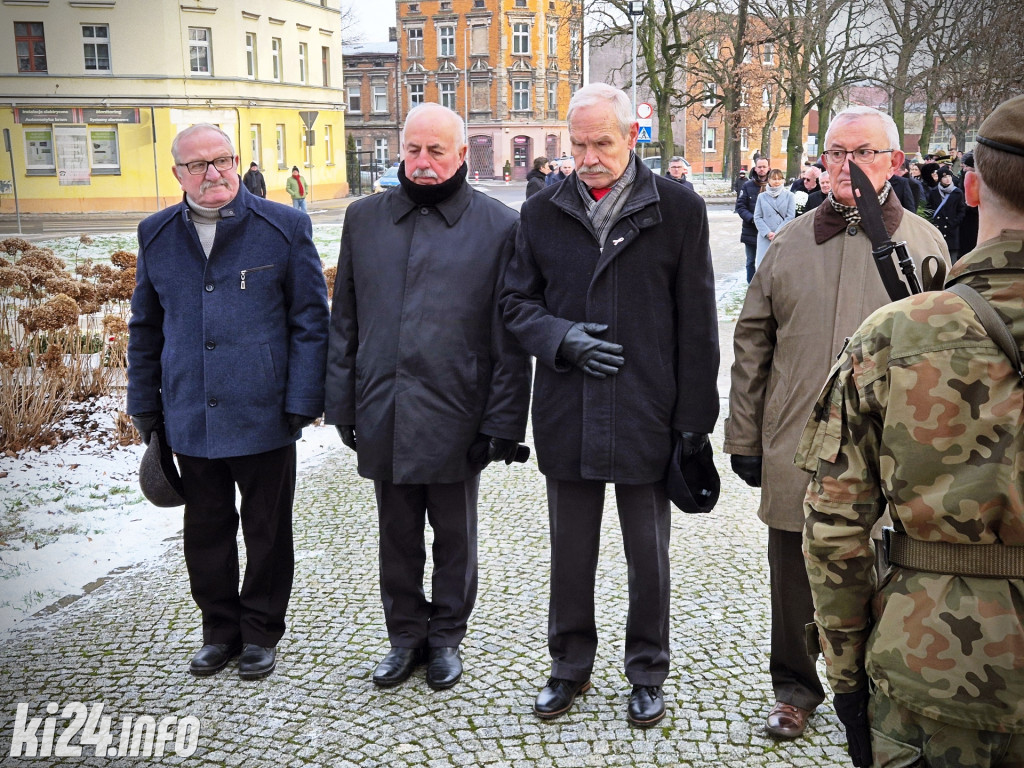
(373, 17)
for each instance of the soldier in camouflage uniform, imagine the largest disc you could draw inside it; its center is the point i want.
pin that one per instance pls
(923, 412)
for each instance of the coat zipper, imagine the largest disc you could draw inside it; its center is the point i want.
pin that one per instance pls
(244, 272)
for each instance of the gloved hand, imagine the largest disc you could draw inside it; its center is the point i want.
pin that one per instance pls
(296, 421)
(146, 423)
(347, 433)
(748, 468)
(595, 357)
(692, 442)
(499, 449)
(852, 709)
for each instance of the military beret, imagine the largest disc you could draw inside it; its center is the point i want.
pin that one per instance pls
(1004, 128)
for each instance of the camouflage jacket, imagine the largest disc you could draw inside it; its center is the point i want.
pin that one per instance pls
(923, 413)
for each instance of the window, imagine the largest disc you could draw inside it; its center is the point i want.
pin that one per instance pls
(355, 100)
(478, 40)
(743, 96)
(552, 97)
(275, 59)
(710, 98)
(199, 50)
(446, 41)
(521, 38)
(103, 151)
(713, 51)
(521, 100)
(279, 143)
(552, 39)
(446, 5)
(303, 57)
(574, 46)
(481, 97)
(31, 47)
(768, 54)
(96, 46)
(744, 139)
(325, 65)
(250, 55)
(39, 150)
(415, 94)
(307, 148)
(380, 151)
(785, 141)
(447, 91)
(380, 98)
(478, 4)
(329, 144)
(415, 36)
(709, 138)
(766, 97)
(255, 144)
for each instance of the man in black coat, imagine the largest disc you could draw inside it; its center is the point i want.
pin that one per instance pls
(619, 310)
(536, 179)
(425, 383)
(746, 200)
(254, 181)
(946, 202)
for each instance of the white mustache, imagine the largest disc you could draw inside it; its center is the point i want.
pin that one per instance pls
(424, 173)
(596, 168)
(206, 185)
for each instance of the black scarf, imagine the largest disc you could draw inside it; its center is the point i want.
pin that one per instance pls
(432, 194)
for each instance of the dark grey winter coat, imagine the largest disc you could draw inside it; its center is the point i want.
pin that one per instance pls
(653, 286)
(419, 360)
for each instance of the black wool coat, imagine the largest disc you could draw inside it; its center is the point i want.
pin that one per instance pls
(948, 217)
(418, 357)
(653, 285)
(746, 200)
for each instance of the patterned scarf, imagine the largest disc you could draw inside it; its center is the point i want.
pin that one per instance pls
(604, 213)
(850, 212)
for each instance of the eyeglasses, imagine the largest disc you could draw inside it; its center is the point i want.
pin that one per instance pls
(198, 167)
(860, 156)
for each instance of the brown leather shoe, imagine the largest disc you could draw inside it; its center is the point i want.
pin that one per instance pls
(786, 721)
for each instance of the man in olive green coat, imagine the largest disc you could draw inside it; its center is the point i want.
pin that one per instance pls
(816, 284)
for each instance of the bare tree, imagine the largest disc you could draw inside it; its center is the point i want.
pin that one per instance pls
(349, 20)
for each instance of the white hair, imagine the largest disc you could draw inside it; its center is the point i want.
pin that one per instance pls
(602, 93)
(199, 127)
(428, 106)
(892, 133)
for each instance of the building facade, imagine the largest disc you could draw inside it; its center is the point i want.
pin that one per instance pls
(92, 93)
(509, 67)
(373, 104)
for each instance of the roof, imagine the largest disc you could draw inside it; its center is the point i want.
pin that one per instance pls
(368, 49)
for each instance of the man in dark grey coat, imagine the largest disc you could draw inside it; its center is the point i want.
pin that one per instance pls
(619, 310)
(229, 282)
(425, 383)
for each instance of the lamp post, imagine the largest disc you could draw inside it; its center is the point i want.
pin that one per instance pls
(636, 10)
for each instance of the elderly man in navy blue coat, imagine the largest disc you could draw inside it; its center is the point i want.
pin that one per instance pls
(619, 310)
(226, 355)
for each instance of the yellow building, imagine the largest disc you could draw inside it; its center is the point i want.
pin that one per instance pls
(92, 92)
(522, 60)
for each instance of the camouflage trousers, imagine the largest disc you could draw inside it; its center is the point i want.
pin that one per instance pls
(904, 739)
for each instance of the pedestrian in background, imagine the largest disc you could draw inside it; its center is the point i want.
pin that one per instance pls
(746, 200)
(297, 189)
(424, 382)
(816, 284)
(612, 290)
(228, 282)
(565, 169)
(677, 171)
(817, 197)
(969, 225)
(536, 178)
(926, 667)
(946, 201)
(254, 181)
(775, 206)
(739, 181)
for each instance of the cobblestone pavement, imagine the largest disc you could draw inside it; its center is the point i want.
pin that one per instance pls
(126, 646)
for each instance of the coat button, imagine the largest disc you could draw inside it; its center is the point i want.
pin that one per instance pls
(210, 345)
(209, 287)
(424, 211)
(212, 402)
(852, 230)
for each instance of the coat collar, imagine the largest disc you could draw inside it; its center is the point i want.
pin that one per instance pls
(451, 209)
(236, 209)
(828, 222)
(644, 193)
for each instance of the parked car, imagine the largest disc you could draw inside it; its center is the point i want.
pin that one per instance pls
(389, 179)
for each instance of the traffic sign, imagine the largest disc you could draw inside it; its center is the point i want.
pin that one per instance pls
(308, 118)
(644, 110)
(644, 137)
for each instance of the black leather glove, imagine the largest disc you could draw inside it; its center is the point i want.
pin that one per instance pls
(499, 449)
(595, 357)
(146, 423)
(347, 433)
(852, 709)
(692, 442)
(748, 468)
(296, 421)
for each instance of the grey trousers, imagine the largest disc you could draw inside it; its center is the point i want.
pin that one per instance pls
(575, 509)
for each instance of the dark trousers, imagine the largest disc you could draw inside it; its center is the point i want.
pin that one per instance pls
(267, 485)
(575, 510)
(793, 671)
(751, 251)
(411, 619)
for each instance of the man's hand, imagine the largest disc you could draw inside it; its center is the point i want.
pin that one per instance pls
(748, 468)
(692, 442)
(146, 423)
(593, 356)
(852, 709)
(499, 449)
(296, 422)
(347, 433)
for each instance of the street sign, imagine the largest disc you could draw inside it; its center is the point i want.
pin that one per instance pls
(644, 110)
(308, 118)
(644, 137)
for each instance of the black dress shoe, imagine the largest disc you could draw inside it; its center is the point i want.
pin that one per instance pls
(646, 705)
(444, 668)
(396, 667)
(256, 662)
(212, 658)
(557, 696)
